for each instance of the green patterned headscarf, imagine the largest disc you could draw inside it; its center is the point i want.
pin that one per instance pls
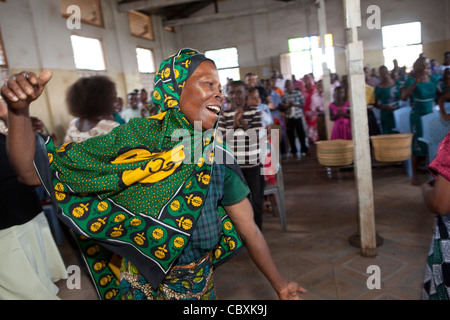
(172, 76)
(170, 81)
(139, 190)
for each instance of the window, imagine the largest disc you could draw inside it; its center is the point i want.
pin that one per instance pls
(88, 53)
(90, 10)
(402, 42)
(227, 62)
(140, 25)
(146, 66)
(146, 61)
(306, 55)
(3, 62)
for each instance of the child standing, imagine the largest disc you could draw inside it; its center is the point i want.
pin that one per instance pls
(254, 100)
(241, 127)
(340, 114)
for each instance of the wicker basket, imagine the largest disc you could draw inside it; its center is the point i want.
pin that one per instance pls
(333, 153)
(392, 147)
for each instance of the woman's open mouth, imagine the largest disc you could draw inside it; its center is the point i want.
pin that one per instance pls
(215, 109)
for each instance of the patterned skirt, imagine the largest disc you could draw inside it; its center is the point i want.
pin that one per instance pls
(189, 282)
(437, 271)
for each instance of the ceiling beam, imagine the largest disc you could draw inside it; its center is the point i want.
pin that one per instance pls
(150, 4)
(231, 15)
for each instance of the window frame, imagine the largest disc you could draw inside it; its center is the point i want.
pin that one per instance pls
(3, 53)
(150, 25)
(418, 46)
(153, 57)
(220, 69)
(98, 4)
(102, 49)
(310, 52)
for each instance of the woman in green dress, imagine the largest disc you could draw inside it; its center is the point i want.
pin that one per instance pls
(159, 192)
(387, 95)
(422, 88)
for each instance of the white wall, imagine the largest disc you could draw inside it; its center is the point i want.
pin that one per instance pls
(36, 37)
(261, 38)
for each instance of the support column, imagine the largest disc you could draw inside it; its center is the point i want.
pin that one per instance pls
(326, 72)
(360, 129)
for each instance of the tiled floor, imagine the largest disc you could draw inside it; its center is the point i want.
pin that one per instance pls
(315, 252)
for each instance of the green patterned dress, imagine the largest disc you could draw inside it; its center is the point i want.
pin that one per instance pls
(389, 96)
(423, 98)
(138, 193)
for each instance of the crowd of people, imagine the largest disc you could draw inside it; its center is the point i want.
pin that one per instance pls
(295, 107)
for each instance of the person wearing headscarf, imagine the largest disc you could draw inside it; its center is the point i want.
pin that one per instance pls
(156, 192)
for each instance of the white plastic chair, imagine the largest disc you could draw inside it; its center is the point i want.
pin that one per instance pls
(278, 192)
(402, 125)
(434, 131)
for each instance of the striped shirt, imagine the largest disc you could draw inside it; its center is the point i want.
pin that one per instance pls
(246, 145)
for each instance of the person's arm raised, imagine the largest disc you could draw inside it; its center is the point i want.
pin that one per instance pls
(18, 92)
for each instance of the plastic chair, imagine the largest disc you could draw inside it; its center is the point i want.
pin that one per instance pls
(402, 122)
(402, 125)
(447, 107)
(278, 192)
(50, 213)
(377, 114)
(434, 131)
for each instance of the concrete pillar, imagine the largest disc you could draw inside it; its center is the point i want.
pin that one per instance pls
(321, 11)
(360, 129)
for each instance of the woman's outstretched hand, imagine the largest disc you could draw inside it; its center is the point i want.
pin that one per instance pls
(23, 88)
(291, 292)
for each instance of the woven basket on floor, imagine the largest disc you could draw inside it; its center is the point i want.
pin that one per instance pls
(332, 153)
(392, 147)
